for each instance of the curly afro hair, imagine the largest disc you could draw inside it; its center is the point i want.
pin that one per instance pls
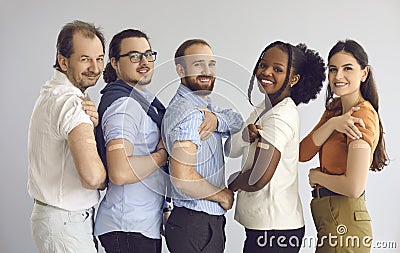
(303, 61)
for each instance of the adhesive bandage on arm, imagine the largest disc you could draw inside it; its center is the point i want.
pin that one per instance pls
(91, 141)
(263, 145)
(115, 147)
(362, 145)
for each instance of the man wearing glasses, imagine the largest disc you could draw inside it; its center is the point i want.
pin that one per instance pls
(197, 169)
(65, 170)
(128, 138)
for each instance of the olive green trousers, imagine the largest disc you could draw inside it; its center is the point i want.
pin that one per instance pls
(343, 224)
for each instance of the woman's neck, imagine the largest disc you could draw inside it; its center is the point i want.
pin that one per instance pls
(350, 101)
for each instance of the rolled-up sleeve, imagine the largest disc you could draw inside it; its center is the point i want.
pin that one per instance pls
(370, 133)
(69, 113)
(188, 128)
(122, 120)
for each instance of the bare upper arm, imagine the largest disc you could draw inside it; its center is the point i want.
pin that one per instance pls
(266, 160)
(117, 150)
(183, 159)
(120, 170)
(83, 149)
(358, 159)
(82, 144)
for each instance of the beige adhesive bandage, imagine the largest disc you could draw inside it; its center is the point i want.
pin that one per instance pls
(183, 144)
(262, 145)
(91, 141)
(360, 146)
(116, 146)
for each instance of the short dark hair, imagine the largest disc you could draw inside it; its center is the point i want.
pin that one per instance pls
(64, 41)
(109, 74)
(180, 52)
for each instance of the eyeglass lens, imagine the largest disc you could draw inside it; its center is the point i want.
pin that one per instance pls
(137, 57)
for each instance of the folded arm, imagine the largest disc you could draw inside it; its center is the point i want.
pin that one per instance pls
(125, 168)
(266, 160)
(189, 181)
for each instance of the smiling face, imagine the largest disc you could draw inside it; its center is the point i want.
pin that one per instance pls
(345, 75)
(85, 65)
(199, 68)
(137, 74)
(271, 71)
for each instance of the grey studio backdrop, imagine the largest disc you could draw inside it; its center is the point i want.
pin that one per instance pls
(237, 31)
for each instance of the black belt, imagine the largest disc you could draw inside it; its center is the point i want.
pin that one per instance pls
(323, 192)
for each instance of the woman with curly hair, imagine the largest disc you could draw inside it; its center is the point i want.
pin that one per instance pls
(268, 203)
(346, 151)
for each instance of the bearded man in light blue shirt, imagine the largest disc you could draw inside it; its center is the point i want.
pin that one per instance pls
(196, 166)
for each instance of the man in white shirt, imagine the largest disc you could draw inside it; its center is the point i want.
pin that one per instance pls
(65, 170)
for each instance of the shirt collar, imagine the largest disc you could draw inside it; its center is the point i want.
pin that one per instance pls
(145, 93)
(192, 96)
(61, 78)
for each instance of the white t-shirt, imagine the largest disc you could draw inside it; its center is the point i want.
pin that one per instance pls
(53, 177)
(277, 205)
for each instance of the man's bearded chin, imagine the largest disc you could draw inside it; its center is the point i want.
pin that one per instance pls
(192, 82)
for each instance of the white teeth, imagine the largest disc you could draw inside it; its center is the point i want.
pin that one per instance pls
(142, 71)
(340, 84)
(266, 81)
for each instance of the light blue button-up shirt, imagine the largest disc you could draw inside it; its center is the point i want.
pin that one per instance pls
(181, 122)
(132, 207)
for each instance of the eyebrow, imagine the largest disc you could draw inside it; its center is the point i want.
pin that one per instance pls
(201, 61)
(134, 51)
(274, 63)
(344, 65)
(101, 55)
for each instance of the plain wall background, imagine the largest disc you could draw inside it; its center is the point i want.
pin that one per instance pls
(237, 30)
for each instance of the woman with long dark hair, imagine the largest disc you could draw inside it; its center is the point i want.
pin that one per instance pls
(349, 141)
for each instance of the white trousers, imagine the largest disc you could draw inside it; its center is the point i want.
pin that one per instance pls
(55, 230)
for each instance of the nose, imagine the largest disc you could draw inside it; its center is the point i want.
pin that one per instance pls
(206, 70)
(267, 71)
(96, 66)
(339, 74)
(143, 60)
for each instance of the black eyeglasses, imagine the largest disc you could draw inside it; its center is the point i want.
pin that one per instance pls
(136, 57)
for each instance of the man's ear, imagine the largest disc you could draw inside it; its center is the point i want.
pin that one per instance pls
(295, 79)
(63, 62)
(113, 62)
(180, 70)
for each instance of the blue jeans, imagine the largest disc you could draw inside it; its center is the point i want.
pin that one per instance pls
(129, 242)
